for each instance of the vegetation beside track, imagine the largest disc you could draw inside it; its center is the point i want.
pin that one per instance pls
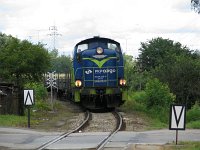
(164, 73)
(60, 119)
(13, 121)
(42, 114)
(157, 118)
(141, 112)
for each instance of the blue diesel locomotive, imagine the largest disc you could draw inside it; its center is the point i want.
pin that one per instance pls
(98, 73)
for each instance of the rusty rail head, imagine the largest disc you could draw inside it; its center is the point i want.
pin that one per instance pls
(119, 125)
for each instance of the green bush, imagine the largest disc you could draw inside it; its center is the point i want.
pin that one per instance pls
(158, 96)
(140, 97)
(155, 100)
(39, 89)
(132, 105)
(134, 102)
(128, 105)
(193, 124)
(40, 96)
(42, 105)
(194, 113)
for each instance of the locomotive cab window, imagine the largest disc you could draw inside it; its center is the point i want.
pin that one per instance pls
(113, 46)
(94, 45)
(82, 47)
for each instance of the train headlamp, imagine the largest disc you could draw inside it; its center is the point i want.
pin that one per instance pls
(122, 82)
(78, 83)
(99, 50)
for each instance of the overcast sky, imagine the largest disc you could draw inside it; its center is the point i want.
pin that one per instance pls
(130, 22)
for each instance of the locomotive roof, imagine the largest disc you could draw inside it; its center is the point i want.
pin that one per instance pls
(95, 38)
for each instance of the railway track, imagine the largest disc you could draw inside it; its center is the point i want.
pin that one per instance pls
(64, 135)
(86, 126)
(119, 126)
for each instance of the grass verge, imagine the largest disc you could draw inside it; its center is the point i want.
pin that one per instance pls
(189, 145)
(40, 118)
(13, 121)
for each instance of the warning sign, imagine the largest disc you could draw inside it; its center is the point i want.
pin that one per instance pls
(28, 97)
(177, 117)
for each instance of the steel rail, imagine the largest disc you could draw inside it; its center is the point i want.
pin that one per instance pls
(64, 135)
(119, 118)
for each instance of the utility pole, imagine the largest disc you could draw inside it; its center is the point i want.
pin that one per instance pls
(126, 45)
(54, 33)
(38, 35)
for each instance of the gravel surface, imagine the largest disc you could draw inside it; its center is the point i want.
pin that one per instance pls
(101, 122)
(134, 122)
(71, 116)
(67, 118)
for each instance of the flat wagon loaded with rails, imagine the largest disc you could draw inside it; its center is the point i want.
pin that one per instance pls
(97, 76)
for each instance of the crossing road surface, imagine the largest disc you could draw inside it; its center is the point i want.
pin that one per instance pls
(13, 138)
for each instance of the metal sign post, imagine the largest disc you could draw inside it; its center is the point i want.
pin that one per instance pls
(177, 118)
(51, 82)
(29, 117)
(28, 102)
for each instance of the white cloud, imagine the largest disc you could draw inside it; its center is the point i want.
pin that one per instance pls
(130, 21)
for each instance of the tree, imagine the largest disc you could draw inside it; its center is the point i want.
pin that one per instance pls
(159, 51)
(60, 64)
(195, 5)
(182, 78)
(21, 61)
(129, 69)
(174, 65)
(136, 79)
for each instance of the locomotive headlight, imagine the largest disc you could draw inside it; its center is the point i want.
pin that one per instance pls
(78, 83)
(99, 50)
(122, 82)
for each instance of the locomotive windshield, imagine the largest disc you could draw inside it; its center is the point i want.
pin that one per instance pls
(82, 47)
(94, 44)
(113, 46)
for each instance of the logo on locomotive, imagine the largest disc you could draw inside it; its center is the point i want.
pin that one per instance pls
(100, 71)
(100, 75)
(88, 71)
